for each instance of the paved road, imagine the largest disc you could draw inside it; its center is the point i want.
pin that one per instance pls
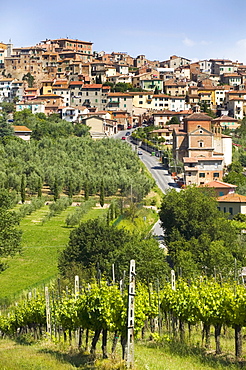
(161, 176)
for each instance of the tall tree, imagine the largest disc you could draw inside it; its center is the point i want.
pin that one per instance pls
(102, 194)
(23, 188)
(10, 235)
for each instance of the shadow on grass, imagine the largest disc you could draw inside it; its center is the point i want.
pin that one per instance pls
(204, 357)
(77, 359)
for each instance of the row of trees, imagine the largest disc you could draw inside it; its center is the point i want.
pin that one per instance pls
(71, 165)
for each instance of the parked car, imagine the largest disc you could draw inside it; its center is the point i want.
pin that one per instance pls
(129, 127)
(123, 138)
(140, 153)
(128, 133)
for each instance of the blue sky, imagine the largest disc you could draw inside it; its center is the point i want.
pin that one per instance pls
(195, 29)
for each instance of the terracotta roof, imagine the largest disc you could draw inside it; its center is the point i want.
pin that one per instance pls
(232, 198)
(21, 128)
(219, 184)
(231, 75)
(93, 86)
(236, 92)
(118, 94)
(76, 83)
(198, 117)
(225, 119)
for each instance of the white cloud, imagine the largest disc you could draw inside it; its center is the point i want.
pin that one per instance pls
(188, 42)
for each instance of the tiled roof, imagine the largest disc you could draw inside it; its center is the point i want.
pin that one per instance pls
(232, 198)
(219, 184)
(76, 83)
(93, 86)
(118, 94)
(21, 129)
(225, 119)
(198, 117)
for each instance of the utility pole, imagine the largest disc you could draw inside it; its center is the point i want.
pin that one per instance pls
(130, 316)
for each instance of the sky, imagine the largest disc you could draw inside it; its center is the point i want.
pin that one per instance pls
(194, 29)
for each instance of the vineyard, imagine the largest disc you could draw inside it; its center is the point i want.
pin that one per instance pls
(175, 312)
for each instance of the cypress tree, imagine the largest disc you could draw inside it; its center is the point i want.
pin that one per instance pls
(23, 188)
(40, 187)
(102, 194)
(86, 191)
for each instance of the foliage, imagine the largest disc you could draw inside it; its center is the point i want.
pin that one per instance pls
(174, 120)
(7, 107)
(10, 235)
(95, 244)
(75, 217)
(28, 208)
(197, 234)
(5, 128)
(71, 165)
(29, 78)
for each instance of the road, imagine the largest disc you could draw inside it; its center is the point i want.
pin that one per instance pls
(163, 179)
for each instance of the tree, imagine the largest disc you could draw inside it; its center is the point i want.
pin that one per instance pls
(94, 244)
(86, 190)
(56, 190)
(40, 186)
(102, 194)
(29, 78)
(174, 121)
(10, 235)
(23, 188)
(156, 92)
(8, 107)
(5, 128)
(195, 228)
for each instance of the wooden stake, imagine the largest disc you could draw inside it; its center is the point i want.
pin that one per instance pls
(130, 317)
(48, 317)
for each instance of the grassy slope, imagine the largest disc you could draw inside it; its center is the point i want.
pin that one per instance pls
(41, 245)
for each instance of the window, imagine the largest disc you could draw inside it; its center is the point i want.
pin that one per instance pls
(216, 174)
(201, 174)
(231, 210)
(221, 193)
(189, 173)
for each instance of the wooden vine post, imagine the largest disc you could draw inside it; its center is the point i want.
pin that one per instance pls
(48, 316)
(130, 317)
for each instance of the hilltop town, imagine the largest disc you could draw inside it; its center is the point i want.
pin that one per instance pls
(110, 92)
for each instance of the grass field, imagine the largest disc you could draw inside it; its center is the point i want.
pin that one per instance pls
(148, 356)
(41, 244)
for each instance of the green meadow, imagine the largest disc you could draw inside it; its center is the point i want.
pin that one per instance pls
(41, 244)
